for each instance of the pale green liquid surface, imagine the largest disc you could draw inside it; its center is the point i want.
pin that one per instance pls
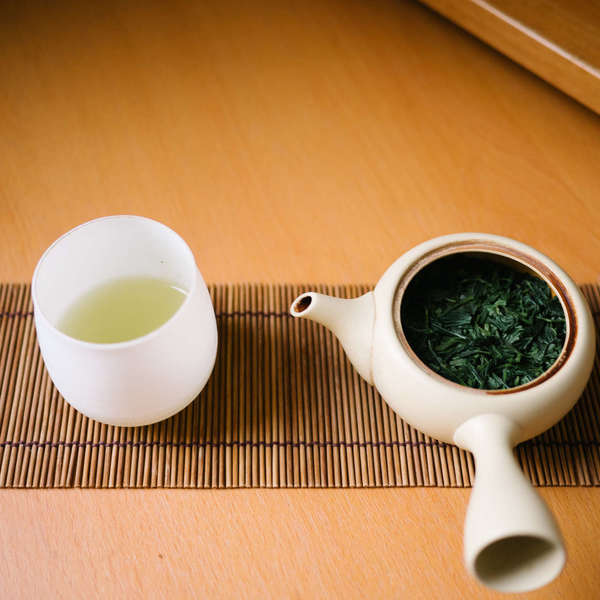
(121, 309)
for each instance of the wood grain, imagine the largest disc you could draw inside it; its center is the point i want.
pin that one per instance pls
(276, 142)
(286, 142)
(559, 40)
(253, 544)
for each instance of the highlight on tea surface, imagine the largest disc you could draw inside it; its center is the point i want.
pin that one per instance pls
(122, 309)
(482, 324)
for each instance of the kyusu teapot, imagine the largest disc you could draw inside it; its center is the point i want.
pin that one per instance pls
(511, 541)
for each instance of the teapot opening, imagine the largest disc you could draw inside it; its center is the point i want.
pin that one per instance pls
(441, 262)
(519, 563)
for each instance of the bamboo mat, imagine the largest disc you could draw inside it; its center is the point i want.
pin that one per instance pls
(283, 408)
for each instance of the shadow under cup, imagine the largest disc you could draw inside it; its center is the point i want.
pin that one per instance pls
(138, 381)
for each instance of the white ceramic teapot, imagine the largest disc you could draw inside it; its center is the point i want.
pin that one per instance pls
(511, 540)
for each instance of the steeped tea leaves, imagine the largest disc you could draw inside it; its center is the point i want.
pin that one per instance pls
(482, 324)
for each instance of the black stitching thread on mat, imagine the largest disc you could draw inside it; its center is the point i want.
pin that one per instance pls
(253, 313)
(285, 444)
(233, 313)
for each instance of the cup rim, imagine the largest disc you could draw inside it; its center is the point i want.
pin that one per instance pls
(39, 313)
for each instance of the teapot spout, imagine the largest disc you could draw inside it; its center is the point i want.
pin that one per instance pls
(351, 321)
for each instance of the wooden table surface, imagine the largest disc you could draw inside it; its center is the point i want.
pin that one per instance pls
(285, 141)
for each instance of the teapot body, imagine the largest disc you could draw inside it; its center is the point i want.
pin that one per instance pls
(437, 406)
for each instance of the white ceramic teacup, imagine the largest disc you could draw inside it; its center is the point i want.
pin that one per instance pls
(139, 381)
